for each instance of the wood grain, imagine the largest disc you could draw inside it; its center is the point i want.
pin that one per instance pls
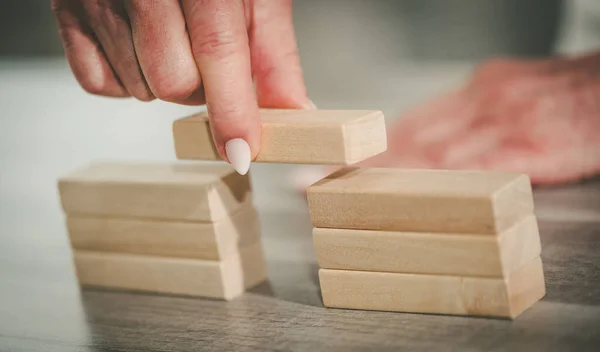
(449, 201)
(429, 253)
(165, 191)
(284, 313)
(196, 240)
(455, 295)
(295, 136)
(224, 279)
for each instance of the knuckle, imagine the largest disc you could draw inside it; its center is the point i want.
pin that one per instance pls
(94, 8)
(175, 90)
(201, 5)
(219, 43)
(106, 13)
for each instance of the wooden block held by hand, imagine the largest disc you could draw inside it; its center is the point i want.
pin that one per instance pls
(185, 239)
(429, 253)
(295, 136)
(416, 293)
(225, 279)
(476, 202)
(163, 191)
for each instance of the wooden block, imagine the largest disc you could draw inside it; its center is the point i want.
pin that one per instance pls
(225, 279)
(211, 241)
(417, 293)
(295, 136)
(477, 202)
(163, 191)
(429, 253)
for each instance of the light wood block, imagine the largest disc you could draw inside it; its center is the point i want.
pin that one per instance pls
(163, 191)
(225, 279)
(477, 202)
(210, 241)
(429, 253)
(416, 293)
(295, 136)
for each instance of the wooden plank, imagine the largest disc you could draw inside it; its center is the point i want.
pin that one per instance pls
(429, 253)
(415, 293)
(210, 241)
(450, 201)
(224, 279)
(295, 136)
(164, 191)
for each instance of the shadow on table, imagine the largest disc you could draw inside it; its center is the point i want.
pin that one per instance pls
(294, 282)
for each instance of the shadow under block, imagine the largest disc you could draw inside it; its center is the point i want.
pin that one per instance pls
(211, 241)
(415, 293)
(295, 136)
(448, 201)
(224, 279)
(429, 253)
(162, 191)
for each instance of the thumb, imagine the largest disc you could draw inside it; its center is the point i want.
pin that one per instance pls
(275, 61)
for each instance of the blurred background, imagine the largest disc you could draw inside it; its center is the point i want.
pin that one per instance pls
(357, 54)
(372, 54)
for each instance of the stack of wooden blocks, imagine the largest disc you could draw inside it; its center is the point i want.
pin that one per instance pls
(423, 241)
(187, 229)
(427, 241)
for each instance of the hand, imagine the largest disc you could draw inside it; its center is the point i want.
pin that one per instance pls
(190, 52)
(540, 117)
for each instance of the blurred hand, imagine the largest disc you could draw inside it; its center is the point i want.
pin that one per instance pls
(189, 52)
(536, 117)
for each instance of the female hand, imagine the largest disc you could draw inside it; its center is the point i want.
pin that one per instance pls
(540, 117)
(190, 52)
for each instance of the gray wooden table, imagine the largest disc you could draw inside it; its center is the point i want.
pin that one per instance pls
(42, 308)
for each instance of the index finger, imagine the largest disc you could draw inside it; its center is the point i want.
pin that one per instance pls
(219, 38)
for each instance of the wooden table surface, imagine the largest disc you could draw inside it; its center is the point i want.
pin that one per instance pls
(43, 309)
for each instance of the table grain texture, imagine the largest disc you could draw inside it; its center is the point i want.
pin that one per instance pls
(42, 307)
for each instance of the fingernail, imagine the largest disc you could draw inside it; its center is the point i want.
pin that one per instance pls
(310, 105)
(239, 155)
